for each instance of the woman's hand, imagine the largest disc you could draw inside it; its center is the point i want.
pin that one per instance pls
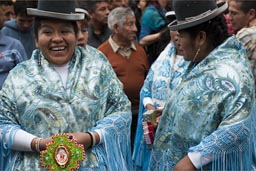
(184, 164)
(82, 138)
(85, 139)
(158, 115)
(43, 143)
(39, 144)
(150, 124)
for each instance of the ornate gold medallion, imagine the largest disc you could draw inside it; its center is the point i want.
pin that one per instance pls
(62, 154)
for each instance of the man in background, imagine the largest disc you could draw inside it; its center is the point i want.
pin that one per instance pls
(242, 14)
(98, 31)
(6, 11)
(118, 3)
(21, 27)
(128, 59)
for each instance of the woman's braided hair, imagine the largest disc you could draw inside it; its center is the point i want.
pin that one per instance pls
(216, 30)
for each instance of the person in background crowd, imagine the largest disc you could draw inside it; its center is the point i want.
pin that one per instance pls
(118, 3)
(127, 58)
(6, 11)
(225, 13)
(98, 31)
(82, 36)
(241, 13)
(206, 123)
(138, 7)
(21, 28)
(154, 34)
(169, 5)
(163, 77)
(11, 50)
(11, 53)
(63, 88)
(82, 32)
(243, 19)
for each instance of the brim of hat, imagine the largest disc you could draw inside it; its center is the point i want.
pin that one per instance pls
(82, 11)
(55, 15)
(174, 26)
(170, 13)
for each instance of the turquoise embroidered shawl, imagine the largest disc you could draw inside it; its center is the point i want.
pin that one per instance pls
(34, 99)
(209, 112)
(160, 81)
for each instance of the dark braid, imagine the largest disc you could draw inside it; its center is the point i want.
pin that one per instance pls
(216, 30)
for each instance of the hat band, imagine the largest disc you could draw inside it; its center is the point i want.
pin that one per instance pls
(198, 17)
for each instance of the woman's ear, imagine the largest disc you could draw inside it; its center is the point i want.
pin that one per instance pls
(202, 37)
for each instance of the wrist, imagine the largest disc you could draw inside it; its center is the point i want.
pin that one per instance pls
(35, 144)
(32, 145)
(94, 139)
(91, 140)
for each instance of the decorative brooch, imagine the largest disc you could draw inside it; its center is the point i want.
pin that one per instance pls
(62, 153)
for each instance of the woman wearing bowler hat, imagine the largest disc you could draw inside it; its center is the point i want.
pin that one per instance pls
(207, 122)
(64, 108)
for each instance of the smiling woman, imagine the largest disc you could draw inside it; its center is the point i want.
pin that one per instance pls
(65, 102)
(56, 39)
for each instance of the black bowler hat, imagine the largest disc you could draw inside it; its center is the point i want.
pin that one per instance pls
(190, 13)
(170, 16)
(83, 11)
(57, 9)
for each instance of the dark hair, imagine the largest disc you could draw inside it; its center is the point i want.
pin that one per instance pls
(153, 2)
(20, 6)
(91, 5)
(216, 30)
(38, 20)
(6, 2)
(246, 5)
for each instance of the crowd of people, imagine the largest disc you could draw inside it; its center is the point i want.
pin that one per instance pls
(138, 84)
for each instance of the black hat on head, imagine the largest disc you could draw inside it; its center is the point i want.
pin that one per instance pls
(190, 13)
(170, 16)
(83, 11)
(57, 9)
